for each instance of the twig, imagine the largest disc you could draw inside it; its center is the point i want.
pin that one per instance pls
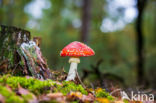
(80, 80)
(15, 67)
(115, 91)
(91, 84)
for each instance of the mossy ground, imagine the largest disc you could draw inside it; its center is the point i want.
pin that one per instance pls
(9, 85)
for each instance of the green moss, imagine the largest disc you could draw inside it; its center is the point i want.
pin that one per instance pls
(14, 99)
(125, 101)
(51, 101)
(38, 87)
(34, 85)
(102, 93)
(21, 63)
(10, 97)
(68, 86)
(27, 97)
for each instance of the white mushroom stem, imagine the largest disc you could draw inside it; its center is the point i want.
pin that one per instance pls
(73, 68)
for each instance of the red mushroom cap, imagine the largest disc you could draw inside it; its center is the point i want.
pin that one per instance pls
(77, 49)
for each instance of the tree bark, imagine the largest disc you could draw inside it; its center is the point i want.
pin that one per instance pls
(21, 56)
(140, 41)
(86, 16)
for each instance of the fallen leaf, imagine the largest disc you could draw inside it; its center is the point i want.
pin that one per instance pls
(102, 100)
(9, 88)
(24, 92)
(76, 94)
(98, 90)
(79, 96)
(54, 95)
(57, 96)
(119, 101)
(2, 99)
(88, 98)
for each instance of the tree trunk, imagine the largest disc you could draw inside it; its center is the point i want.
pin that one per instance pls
(86, 16)
(19, 55)
(140, 41)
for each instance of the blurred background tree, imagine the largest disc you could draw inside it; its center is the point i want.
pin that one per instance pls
(110, 27)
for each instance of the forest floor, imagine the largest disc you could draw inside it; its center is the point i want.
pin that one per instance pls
(15, 89)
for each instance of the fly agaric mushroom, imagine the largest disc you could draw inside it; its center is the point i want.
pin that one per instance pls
(75, 50)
